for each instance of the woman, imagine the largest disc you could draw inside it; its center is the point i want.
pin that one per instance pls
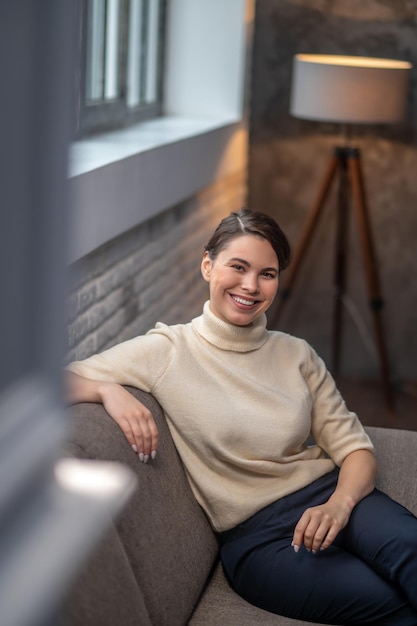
(302, 531)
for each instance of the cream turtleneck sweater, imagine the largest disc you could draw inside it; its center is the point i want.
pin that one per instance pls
(240, 403)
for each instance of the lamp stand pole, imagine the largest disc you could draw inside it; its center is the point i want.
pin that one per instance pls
(347, 161)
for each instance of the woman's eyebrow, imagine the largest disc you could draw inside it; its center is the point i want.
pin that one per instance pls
(243, 262)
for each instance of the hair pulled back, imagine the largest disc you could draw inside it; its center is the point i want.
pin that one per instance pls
(246, 222)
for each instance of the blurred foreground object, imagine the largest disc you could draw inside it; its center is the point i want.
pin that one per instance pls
(47, 530)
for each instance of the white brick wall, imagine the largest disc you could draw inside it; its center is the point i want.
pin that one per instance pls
(150, 274)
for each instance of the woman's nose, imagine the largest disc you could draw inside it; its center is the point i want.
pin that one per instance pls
(250, 282)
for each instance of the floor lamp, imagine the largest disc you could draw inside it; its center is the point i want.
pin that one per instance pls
(348, 91)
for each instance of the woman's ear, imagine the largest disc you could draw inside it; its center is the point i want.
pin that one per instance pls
(206, 264)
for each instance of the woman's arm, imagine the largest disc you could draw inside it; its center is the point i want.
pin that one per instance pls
(319, 525)
(135, 420)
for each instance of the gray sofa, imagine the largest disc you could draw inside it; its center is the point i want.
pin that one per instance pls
(158, 564)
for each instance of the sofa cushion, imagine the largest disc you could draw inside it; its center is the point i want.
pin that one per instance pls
(221, 606)
(165, 534)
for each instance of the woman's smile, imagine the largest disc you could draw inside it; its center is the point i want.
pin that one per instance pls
(243, 279)
(242, 301)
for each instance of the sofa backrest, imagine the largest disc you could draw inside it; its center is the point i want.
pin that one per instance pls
(162, 547)
(396, 455)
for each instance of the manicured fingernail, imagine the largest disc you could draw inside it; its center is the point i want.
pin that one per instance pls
(153, 454)
(146, 458)
(141, 457)
(314, 551)
(134, 448)
(296, 548)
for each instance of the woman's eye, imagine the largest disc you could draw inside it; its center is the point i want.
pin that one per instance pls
(268, 275)
(237, 267)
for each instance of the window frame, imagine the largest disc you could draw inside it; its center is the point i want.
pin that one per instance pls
(107, 115)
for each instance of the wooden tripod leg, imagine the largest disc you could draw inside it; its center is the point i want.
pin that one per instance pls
(372, 279)
(339, 280)
(307, 234)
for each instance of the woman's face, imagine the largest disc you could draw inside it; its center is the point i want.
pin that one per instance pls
(243, 279)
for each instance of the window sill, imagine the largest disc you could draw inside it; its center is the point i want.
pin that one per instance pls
(120, 179)
(101, 150)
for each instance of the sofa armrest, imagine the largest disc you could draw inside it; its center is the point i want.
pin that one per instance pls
(396, 453)
(106, 592)
(164, 544)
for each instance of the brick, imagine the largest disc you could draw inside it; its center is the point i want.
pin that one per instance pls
(107, 333)
(72, 307)
(78, 330)
(84, 349)
(86, 297)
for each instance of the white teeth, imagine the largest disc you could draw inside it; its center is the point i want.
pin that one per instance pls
(242, 301)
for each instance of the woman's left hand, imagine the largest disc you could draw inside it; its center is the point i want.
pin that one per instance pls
(319, 526)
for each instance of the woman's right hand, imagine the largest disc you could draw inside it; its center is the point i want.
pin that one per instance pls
(135, 420)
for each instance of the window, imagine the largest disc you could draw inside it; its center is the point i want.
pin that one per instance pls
(122, 43)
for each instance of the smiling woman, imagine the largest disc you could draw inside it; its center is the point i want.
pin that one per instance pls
(243, 279)
(284, 510)
(241, 263)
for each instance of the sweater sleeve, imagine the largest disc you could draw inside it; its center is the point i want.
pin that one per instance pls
(335, 429)
(139, 362)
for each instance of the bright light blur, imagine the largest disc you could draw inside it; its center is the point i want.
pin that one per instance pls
(349, 61)
(96, 479)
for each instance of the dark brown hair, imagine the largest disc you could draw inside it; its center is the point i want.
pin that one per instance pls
(246, 222)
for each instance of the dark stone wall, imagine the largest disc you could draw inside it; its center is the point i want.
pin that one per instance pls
(288, 159)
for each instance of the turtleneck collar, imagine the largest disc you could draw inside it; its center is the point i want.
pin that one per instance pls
(228, 336)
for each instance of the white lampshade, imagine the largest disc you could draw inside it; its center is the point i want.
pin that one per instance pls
(357, 90)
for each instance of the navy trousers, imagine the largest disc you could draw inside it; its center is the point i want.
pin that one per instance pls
(368, 576)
